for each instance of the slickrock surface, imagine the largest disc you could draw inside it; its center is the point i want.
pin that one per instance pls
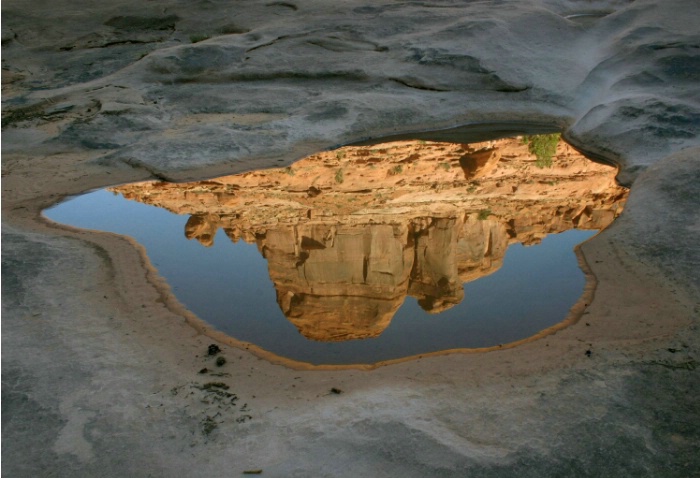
(101, 372)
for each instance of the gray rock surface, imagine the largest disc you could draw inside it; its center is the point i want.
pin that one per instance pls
(100, 370)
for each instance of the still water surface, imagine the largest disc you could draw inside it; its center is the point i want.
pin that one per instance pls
(228, 286)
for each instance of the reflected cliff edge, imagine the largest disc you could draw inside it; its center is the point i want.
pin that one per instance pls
(348, 234)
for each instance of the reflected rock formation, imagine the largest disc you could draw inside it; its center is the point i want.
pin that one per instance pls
(348, 234)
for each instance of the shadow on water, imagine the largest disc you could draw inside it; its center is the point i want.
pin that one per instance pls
(373, 253)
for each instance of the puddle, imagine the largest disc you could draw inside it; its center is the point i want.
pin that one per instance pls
(375, 253)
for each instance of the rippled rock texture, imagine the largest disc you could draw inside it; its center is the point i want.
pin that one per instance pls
(160, 87)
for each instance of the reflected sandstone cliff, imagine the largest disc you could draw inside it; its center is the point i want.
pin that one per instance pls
(348, 234)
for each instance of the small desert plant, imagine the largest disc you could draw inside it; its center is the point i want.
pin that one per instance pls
(339, 176)
(289, 170)
(340, 154)
(484, 214)
(398, 169)
(543, 146)
(445, 166)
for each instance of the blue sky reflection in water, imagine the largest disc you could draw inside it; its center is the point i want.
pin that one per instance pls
(228, 286)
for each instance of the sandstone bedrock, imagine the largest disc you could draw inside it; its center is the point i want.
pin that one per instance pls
(99, 368)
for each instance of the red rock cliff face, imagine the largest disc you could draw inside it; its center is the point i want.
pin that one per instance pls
(348, 234)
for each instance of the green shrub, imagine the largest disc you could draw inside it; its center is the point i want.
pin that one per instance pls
(398, 169)
(543, 146)
(484, 214)
(339, 176)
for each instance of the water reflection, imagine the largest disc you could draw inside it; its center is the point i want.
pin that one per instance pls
(348, 234)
